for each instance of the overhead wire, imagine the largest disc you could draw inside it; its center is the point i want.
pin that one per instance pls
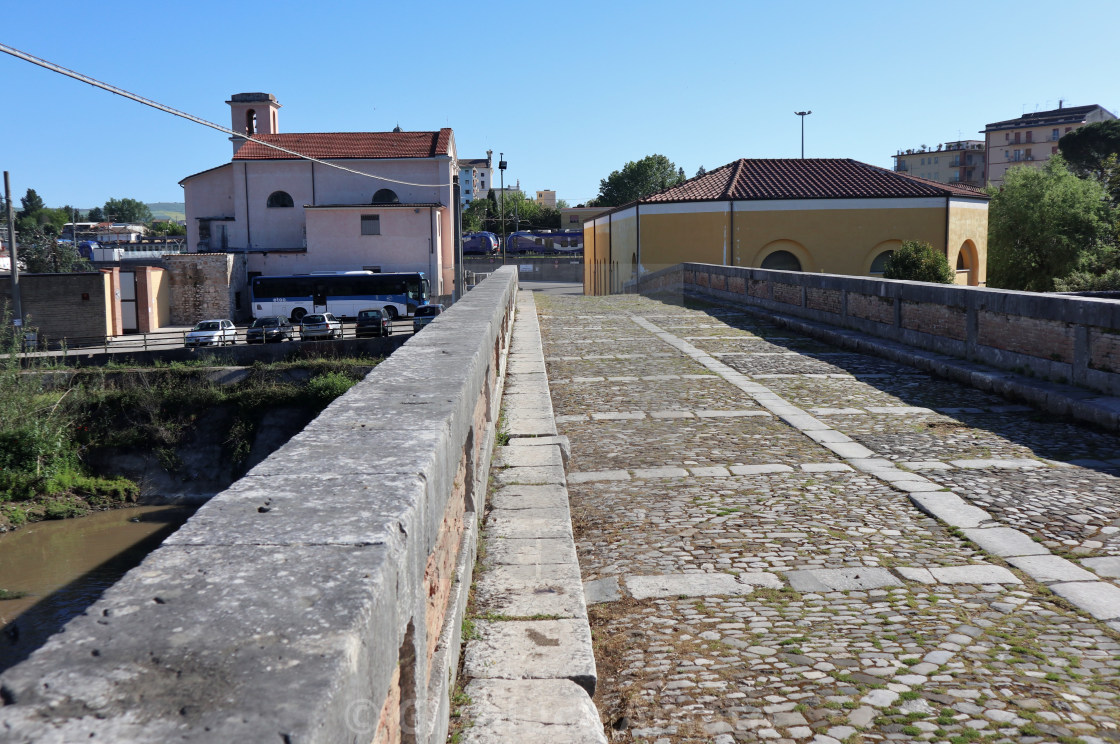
(197, 120)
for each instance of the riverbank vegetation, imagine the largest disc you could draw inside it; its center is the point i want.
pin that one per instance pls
(62, 436)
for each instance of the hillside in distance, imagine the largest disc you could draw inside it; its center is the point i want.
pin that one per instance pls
(168, 211)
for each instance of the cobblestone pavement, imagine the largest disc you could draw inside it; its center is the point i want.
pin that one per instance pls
(744, 506)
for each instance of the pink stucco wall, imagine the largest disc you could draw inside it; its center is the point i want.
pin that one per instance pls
(294, 239)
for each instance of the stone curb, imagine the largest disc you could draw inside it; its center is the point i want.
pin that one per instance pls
(536, 640)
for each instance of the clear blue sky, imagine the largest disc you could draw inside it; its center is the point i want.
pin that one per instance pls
(569, 91)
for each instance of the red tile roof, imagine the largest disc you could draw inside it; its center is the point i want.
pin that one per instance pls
(341, 145)
(812, 178)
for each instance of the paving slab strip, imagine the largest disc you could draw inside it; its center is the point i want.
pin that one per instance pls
(1100, 599)
(530, 661)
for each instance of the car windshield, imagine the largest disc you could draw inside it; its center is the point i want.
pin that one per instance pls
(265, 323)
(314, 319)
(424, 311)
(208, 325)
(367, 314)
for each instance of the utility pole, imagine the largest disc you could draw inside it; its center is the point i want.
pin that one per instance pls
(17, 308)
(502, 208)
(802, 114)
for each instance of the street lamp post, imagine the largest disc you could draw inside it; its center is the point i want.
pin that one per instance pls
(502, 177)
(802, 114)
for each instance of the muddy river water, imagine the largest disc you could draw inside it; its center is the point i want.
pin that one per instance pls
(64, 566)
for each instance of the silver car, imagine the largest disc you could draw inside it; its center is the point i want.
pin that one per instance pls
(320, 325)
(217, 332)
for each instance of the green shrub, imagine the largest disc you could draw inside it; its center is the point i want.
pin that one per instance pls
(63, 509)
(918, 262)
(329, 386)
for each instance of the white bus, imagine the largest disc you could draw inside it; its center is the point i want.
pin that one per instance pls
(342, 294)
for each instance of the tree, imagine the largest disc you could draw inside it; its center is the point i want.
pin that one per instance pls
(41, 253)
(918, 262)
(95, 215)
(476, 215)
(701, 171)
(640, 178)
(1043, 225)
(168, 228)
(127, 210)
(1087, 148)
(31, 202)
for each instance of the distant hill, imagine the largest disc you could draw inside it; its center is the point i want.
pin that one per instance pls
(168, 210)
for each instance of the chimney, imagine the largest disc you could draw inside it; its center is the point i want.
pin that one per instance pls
(1060, 103)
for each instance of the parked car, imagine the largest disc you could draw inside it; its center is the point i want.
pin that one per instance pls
(424, 315)
(320, 325)
(372, 322)
(269, 328)
(215, 332)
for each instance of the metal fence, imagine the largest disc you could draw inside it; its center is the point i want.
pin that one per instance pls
(170, 339)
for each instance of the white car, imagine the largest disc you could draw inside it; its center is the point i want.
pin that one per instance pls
(215, 332)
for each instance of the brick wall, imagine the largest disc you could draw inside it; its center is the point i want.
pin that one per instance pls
(939, 320)
(828, 300)
(1104, 350)
(1030, 336)
(790, 294)
(63, 306)
(869, 307)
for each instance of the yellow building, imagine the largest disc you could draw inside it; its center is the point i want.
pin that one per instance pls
(834, 216)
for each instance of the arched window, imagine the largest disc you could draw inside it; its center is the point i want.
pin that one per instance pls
(961, 266)
(386, 196)
(879, 265)
(280, 199)
(250, 122)
(781, 261)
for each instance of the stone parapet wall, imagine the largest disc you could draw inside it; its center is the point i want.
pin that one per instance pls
(318, 599)
(1057, 338)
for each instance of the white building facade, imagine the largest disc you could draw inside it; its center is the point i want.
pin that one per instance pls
(389, 208)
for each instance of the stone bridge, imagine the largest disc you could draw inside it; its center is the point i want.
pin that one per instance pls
(741, 506)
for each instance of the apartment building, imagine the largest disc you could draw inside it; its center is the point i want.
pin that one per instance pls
(475, 178)
(950, 162)
(1032, 138)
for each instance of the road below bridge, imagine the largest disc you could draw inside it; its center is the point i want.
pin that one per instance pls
(786, 541)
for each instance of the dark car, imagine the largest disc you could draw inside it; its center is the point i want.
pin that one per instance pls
(372, 322)
(268, 329)
(424, 315)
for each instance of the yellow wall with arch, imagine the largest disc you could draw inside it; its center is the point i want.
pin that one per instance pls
(842, 240)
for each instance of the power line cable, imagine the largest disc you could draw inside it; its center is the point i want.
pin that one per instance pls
(190, 117)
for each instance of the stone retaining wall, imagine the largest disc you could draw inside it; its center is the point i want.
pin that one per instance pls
(319, 598)
(1058, 339)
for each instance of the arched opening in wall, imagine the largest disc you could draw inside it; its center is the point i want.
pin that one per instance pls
(781, 261)
(875, 260)
(250, 122)
(386, 196)
(280, 199)
(783, 255)
(968, 264)
(879, 263)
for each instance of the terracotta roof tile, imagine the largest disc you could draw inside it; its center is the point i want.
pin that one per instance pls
(813, 178)
(340, 145)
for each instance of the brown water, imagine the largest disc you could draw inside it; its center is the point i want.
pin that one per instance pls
(65, 565)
